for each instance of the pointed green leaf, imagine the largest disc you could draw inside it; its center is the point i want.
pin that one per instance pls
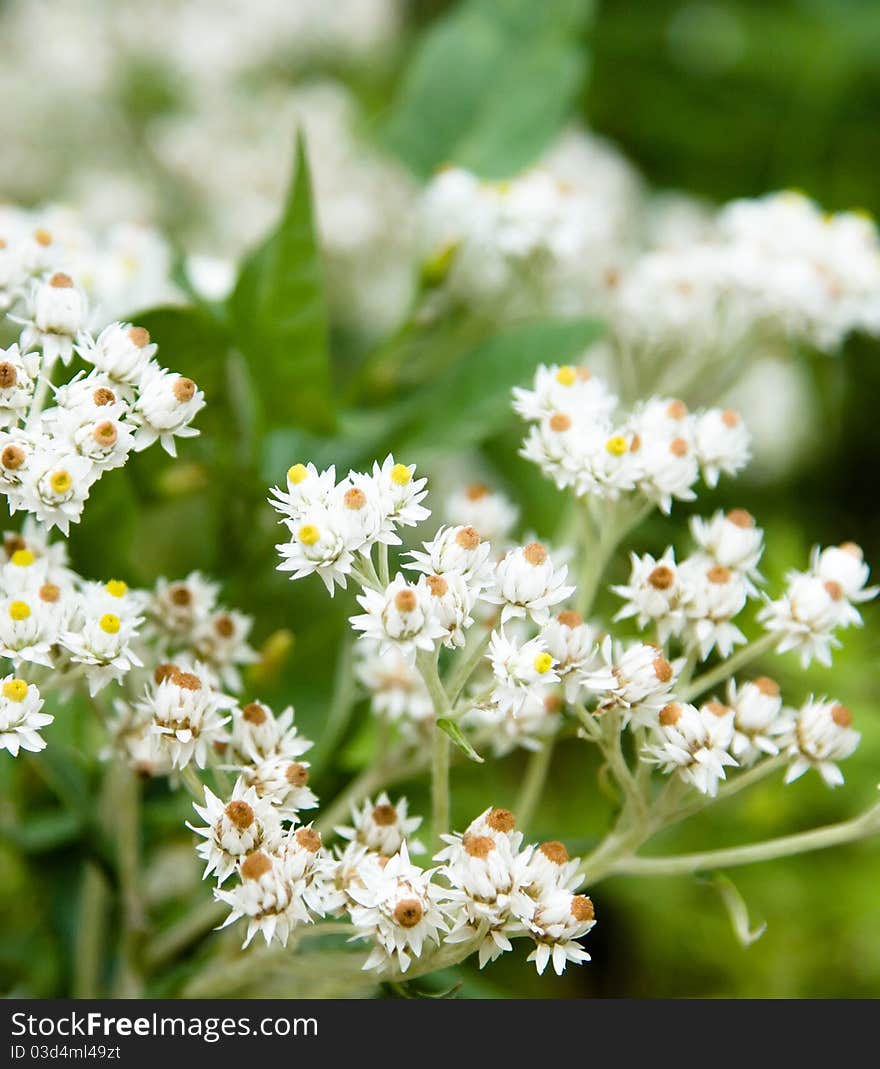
(450, 728)
(279, 317)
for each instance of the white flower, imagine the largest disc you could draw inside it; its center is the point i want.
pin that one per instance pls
(642, 681)
(103, 645)
(822, 735)
(166, 405)
(382, 827)
(57, 488)
(486, 510)
(59, 314)
(806, 616)
(18, 378)
(758, 719)
(106, 441)
(397, 908)
(401, 492)
(712, 596)
(522, 671)
(663, 433)
(27, 631)
(721, 442)
(573, 391)
(400, 616)
(270, 895)
(306, 487)
(653, 594)
(17, 451)
(732, 540)
(257, 734)
(20, 716)
(234, 829)
(282, 782)
(396, 688)
(221, 641)
(450, 600)
(361, 512)
(559, 920)
(457, 550)
(121, 351)
(179, 607)
(573, 645)
(186, 714)
(317, 545)
(695, 743)
(92, 397)
(528, 584)
(844, 567)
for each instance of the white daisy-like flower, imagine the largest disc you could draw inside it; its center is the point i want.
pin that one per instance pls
(27, 631)
(568, 389)
(653, 594)
(822, 735)
(522, 671)
(485, 509)
(712, 595)
(59, 312)
(361, 512)
(806, 616)
(121, 351)
(845, 567)
(282, 782)
(18, 378)
(573, 645)
(457, 550)
(221, 641)
(722, 443)
(234, 829)
(103, 645)
(58, 486)
(450, 601)
(643, 680)
(186, 714)
(399, 616)
(397, 908)
(757, 718)
(402, 493)
(527, 583)
(258, 734)
(270, 896)
(20, 716)
(317, 546)
(560, 919)
(382, 827)
(695, 743)
(732, 540)
(178, 607)
(395, 686)
(306, 487)
(166, 405)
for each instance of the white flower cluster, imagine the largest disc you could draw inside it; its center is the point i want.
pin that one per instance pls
(818, 602)
(334, 526)
(51, 457)
(658, 451)
(546, 239)
(63, 627)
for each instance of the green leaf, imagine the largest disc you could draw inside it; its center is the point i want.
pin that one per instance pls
(279, 317)
(490, 86)
(450, 728)
(472, 401)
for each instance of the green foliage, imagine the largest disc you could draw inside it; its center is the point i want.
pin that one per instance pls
(279, 319)
(489, 86)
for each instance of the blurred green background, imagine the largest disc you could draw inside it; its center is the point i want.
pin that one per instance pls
(716, 99)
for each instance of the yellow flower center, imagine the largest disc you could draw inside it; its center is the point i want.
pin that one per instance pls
(22, 558)
(60, 481)
(116, 588)
(566, 376)
(400, 474)
(15, 690)
(109, 623)
(543, 663)
(19, 610)
(616, 445)
(309, 534)
(297, 473)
